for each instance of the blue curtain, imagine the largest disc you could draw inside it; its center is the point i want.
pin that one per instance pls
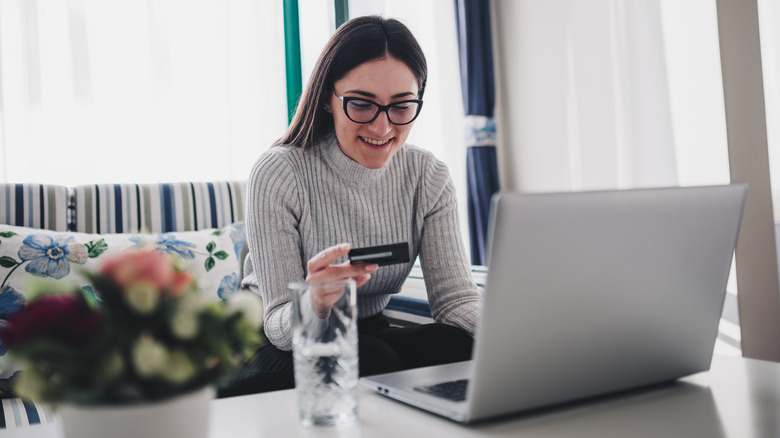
(478, 87)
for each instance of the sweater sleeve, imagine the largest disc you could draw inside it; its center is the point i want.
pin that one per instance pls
(274, 209)
(452, 293)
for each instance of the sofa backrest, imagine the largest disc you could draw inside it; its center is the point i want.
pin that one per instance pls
(157, 208)
(123, 208)
(91, 223)
(34, 205)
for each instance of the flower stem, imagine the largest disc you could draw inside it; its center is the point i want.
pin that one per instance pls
(9, 273)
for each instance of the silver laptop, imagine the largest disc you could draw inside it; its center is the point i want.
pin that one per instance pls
(588, 293)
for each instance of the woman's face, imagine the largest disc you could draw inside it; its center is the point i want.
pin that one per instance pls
(382, 81)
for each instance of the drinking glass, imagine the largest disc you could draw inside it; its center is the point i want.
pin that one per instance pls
(325, 351)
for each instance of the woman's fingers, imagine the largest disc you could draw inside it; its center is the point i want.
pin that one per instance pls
(321, 267)
(360, 280)
(340, 272)
(327, 256)
(325, 297)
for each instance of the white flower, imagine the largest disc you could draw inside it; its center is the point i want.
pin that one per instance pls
(249, 304)
(184, 324)
(149, 356)
(143, 297)
(180, 368)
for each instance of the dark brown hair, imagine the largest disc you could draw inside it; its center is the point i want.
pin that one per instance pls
(357, 41)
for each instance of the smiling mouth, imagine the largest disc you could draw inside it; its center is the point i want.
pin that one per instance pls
(375, 142)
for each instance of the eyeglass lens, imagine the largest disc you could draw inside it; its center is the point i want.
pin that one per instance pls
(363, 111)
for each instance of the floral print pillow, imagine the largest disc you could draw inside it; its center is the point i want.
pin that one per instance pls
(213, 257)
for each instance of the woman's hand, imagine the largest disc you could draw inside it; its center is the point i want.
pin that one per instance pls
(322, 269)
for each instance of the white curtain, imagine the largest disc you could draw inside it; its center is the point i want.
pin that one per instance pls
(610, 94)
(440, 125)
(138, 91)
(604, 94)
(769, 25)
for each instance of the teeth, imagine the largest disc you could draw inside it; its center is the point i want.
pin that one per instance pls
(374, 142)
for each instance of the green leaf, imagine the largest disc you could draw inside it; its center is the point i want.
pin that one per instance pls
(8, 262)
(222, 255)
(210, 263)
(216, 233)
(211, 246)
(96, 247)
(7, 234)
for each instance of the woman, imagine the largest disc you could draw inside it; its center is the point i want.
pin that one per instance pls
(341, 177)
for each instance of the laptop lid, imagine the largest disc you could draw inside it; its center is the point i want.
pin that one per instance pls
(589, 293)
(594, 292)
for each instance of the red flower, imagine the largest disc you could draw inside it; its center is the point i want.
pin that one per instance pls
(66, 318)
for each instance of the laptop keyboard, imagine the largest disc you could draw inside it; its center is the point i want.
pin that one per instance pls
(454, 390)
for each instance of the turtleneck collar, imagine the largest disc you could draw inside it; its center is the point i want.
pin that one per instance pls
(344, 166)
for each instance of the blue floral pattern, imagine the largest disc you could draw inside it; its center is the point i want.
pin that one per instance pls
(11, 302)
(50, 256)
(237, 233)
(228, 286)
(167, 243)
(27, 252)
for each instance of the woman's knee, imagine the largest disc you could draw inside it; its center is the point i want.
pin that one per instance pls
(271, 359)
(377, 356)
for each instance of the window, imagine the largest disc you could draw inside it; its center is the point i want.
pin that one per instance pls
(138, 91)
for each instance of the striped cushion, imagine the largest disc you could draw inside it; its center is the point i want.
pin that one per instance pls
(15, 412)
(34, 205)
(157, 208)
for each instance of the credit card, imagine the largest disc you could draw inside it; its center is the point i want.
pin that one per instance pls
(381, 255)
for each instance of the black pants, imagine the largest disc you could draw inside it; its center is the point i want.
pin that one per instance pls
(381, 349)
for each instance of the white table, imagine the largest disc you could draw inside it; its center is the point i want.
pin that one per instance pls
(737, 398)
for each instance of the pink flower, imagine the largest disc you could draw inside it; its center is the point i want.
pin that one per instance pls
(132, 267)
(181, 281)
(66, 318)
(144, 278)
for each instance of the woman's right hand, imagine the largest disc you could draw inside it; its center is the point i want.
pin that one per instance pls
(322, 269)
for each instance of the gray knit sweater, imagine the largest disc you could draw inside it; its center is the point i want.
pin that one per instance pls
(301, 202)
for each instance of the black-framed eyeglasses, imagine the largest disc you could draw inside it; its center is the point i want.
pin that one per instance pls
(361, 110)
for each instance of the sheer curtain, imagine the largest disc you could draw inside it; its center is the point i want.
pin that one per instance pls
(440, 125)
(769, 26)
(605, 94)
(612, 94)
(133, 91)
(609, 94)
(769, 22)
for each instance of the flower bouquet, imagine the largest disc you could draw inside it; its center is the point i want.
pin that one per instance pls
(141, 333)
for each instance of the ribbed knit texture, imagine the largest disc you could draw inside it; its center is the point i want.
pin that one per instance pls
(301, 202)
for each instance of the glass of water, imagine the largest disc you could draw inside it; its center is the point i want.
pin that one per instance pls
(325, 351)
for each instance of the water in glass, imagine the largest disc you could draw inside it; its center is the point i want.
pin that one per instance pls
(326, 381)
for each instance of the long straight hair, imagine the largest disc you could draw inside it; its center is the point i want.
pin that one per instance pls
(357, 41)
